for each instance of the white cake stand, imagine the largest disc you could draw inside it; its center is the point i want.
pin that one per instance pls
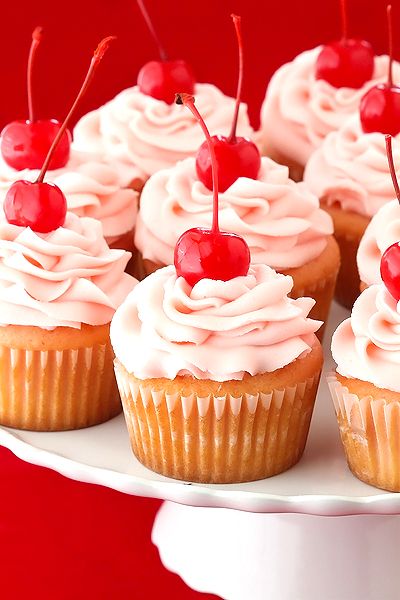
(270, 539)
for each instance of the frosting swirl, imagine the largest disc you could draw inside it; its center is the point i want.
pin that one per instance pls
(216, 330)
(351, 168)
(134, 128)
(280, 220)
(367, 345)
(300, 110)
(382, 231)
(92, 189)
(63, 278)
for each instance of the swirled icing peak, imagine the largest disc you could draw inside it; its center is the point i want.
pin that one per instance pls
(367, 345)
(216, 330)
(351, 169)
(280, 220)
(299, 110)
(63, 278)
(134, 128)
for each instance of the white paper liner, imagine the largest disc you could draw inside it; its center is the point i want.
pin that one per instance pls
(370, 432)
(217, 439)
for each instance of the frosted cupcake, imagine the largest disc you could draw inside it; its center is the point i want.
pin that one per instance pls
(58, 293)
(350, 175)
(300, 110)
(189, 416)
(366, 390)
(280, 220)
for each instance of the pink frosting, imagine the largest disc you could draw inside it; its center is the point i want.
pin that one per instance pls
(382, 232)
(134, 128)
(280, 220)
(351, 168)
(367, 346)
(63, 278)
(216, 330)
(92, 189)
(300, 110)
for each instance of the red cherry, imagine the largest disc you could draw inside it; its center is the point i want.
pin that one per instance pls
(209, 253)
(239, 159)
(38, 205)
(236, 156)
(390, 270)
(201, 253)
(345, 63)
(161, 79)
(25, 144)
(380, 106)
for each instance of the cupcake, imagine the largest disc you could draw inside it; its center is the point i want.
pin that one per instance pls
(93, 189)
(217, 380)
(58, 293)
(350, 175)
(300, 109)
(365, 389)
(382, 232)
(280, 220)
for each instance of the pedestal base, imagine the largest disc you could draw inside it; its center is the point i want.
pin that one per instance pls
(241, 556)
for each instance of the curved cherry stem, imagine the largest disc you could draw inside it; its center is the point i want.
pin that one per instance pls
(389, 152)
(97, 56)
(36, 39)
(188, 101)
(150, 26)
(390, 38)
(345, 25)
(238, 29)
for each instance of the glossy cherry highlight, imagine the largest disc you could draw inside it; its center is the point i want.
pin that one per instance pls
(380, 106)
(39, 205)
(236, 156)
(161, 78)
(209, 253)
(390, 261)
(347, 62)
(24, 144)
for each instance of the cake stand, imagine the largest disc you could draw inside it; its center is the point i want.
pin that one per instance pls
(312, 533)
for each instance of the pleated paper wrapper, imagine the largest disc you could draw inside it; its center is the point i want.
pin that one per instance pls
(370, 432)
(57, 390)
(216, 439)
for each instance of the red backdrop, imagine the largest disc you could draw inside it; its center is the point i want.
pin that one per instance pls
(60, 539)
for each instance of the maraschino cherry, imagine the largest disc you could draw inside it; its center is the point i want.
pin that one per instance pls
(346, 63)
(390, 261)
(202, 253)
(39, 205)
(380, 106)
(161, 78)
(24, 144)
(236, 156)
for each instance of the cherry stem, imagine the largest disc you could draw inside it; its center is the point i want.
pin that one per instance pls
(36, 39)
(389, 152)
(150, 26)
(94, 63)
(390, 36)
(188, 101)
(238, 29)
(343, 11)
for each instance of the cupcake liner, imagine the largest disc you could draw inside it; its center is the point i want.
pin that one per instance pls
(214, 439)
(370, 432)
(57, 390)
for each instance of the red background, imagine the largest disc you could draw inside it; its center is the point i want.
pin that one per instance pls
(59, 539)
